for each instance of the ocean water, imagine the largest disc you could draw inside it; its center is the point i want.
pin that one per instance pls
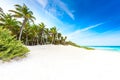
(112, 48)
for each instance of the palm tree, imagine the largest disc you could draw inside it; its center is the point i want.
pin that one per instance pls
(2, 16)
(35, 33)
(42, 33)
(26, 33)
(47, 35)
(23, 12)
(64, 40)
(53, 32)
(7, 21)
(1, 10)
(59, 35)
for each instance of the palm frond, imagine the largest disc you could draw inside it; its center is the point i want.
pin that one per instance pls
(18, 6)
(16, 13)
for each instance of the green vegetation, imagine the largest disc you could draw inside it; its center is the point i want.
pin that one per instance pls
(10, 47)
(23, 12)
(76, 45)
(15, 33)
(26, 32)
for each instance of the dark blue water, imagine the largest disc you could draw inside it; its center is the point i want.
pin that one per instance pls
(112, 48)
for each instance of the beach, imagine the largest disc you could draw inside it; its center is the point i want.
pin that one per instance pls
(57, 62)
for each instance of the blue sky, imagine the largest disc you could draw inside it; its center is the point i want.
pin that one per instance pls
(86, 22)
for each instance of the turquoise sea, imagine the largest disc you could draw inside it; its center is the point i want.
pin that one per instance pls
(112, 48)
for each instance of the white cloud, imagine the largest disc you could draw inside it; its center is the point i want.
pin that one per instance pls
(43, 3)
(109, 39)
(78, 32)
(4, 7)
(85, 37)
(41, 14)
(65, 8)
(94, 39)
(90, 27)
(53, 10)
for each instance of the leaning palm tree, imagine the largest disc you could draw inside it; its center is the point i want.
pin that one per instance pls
(23, 12)
(7, 21)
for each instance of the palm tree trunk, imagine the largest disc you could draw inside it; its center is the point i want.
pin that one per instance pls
(24, 22)
(26, 40)
(52, 39)
(41, 38)
(37, 42)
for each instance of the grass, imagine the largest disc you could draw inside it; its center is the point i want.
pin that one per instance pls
(76, 45)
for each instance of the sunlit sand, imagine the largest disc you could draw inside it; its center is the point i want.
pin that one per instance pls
(50, 62)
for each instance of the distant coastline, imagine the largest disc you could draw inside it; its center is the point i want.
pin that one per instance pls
(111, 48)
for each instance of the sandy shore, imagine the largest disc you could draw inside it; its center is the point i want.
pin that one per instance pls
(63, 63)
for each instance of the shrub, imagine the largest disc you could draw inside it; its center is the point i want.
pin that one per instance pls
(76, 45)
(10, 47)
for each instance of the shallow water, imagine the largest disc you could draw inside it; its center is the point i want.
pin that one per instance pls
(112, 48)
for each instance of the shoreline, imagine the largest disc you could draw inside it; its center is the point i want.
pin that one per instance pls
(107, 48)
(58, 62)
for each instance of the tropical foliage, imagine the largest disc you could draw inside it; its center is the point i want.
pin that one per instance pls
(26, 31)
(76, 45)
(14, 32)
(10, 47)
(23, 12)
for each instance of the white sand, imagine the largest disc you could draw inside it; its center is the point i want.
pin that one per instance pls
(63, 63)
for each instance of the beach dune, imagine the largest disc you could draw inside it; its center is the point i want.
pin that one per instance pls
(57, 62)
